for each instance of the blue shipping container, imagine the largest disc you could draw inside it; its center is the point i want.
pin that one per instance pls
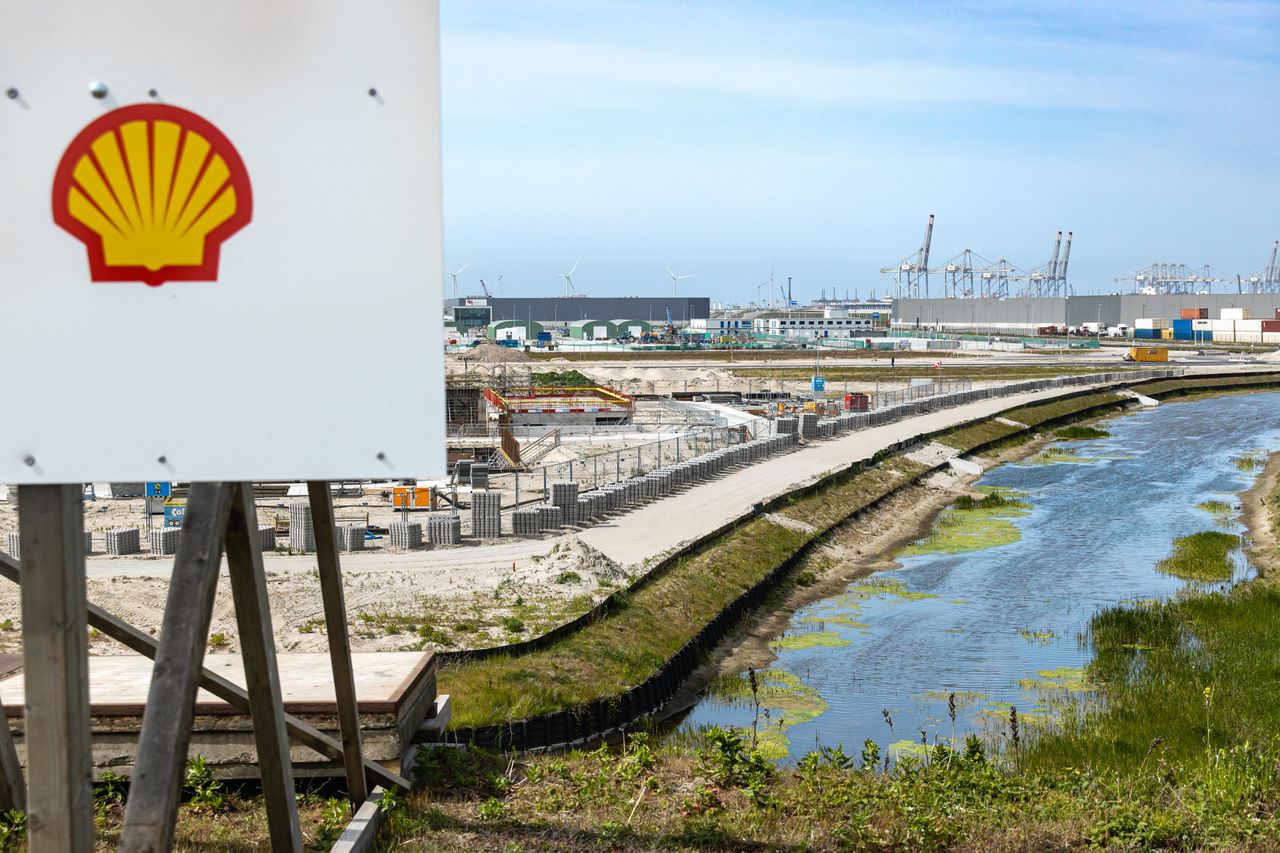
(1147, 334)
(1181, 326)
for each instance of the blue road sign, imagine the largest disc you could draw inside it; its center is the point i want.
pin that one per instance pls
(875, 315)
(819, 383)
(159, 490)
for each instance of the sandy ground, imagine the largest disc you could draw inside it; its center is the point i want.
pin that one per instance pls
(1258, 517)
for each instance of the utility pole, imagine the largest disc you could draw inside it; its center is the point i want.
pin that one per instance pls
(788, 291)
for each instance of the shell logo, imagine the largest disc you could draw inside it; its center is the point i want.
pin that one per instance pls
(153, 191)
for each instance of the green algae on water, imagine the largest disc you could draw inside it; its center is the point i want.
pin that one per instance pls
(822, 620)
(784, 702)
(974, 524)
(809, 640)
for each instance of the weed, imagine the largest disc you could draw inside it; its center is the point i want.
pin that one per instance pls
(333, 819)
(218, 640)
(203, 790)
(513, 625)
(1203, 556)
(569, 577)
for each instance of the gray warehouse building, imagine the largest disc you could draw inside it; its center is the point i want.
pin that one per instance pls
(1025, 314)
(566, 309)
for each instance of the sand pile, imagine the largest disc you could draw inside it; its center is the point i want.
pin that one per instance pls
(495, 354)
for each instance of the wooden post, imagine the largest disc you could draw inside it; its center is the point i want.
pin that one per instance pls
(13, 793)
(156, 783)
(55, 647)
(262, 676)
(335, 620)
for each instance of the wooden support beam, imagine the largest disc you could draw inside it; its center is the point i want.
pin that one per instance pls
(335, 620)
(55, 647)
(13, 791)
(231, 693)
(262, 676)
(156, 784)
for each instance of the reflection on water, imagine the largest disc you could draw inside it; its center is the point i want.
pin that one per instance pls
(1004, 625)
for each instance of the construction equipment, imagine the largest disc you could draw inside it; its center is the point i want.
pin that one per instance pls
(913, 270)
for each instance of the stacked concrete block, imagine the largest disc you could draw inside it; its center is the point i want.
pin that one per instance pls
(302, 533)
(11, 545)
(583, 510)
(406, 534)
(88, 542)
(786, 426)
(526, 522)
(444, 529)
(826, 428)
(164, 540)
(486, 515)
(123, 541)
(350, 537)
(267, 537)
(809, 425)
(565, 496)
(550, 518)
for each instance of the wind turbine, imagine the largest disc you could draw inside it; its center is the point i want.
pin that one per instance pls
(675, 278)
(769, 284)
(568, 279)
(454, 276)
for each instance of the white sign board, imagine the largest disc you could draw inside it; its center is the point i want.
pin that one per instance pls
(220, 229)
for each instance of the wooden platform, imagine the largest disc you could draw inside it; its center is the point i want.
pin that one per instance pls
(396, 692)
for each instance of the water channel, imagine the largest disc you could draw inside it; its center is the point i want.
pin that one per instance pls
(1004, 624)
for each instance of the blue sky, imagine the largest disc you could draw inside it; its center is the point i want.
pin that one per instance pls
(721, 138)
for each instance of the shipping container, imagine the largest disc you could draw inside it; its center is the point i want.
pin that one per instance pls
(1271, 337)
(1202, 324)
(1146, 334)
(1271, 325)
(1199, 313)
(1148, 354)
(1151, 323)
(1248, 325)
(1182, 325)
(1236, 314)
(1222, 325)
(1166, 334)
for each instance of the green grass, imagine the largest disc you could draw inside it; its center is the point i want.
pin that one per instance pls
(1080, 433)
(1203, 556)
(1155, 661)
(1216, 508)
(980, 434)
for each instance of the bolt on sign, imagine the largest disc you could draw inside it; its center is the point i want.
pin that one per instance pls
(220, 230)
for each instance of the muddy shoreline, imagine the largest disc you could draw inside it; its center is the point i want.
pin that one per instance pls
(1257, 515)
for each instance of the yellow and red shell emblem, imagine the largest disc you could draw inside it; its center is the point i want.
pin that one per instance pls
(152, 191)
